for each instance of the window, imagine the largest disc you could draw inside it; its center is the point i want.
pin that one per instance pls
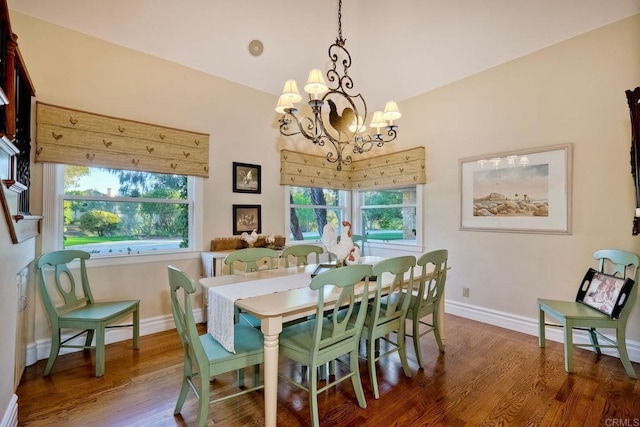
(118, 212)
(312, 208)
(389, 215)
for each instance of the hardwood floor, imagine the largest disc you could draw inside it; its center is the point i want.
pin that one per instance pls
(488, 376)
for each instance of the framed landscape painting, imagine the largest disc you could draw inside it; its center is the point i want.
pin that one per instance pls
(525, 191)
(246, 178)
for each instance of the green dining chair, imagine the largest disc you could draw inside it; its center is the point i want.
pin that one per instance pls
(385, 319)
(574, 315)
(333, 332)
(250, 257)
(204, 357)
(427, 300)
(73, 307)
(301, 254)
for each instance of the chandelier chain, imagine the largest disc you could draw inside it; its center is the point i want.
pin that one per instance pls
(340, 40)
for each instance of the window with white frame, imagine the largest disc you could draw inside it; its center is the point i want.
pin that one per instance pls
(389, 215)
(119, 212)
(311, 208)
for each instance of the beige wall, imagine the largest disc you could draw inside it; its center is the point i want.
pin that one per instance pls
(76, 71)
(571, 92)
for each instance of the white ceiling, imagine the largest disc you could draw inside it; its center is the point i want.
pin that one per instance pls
(400, 48)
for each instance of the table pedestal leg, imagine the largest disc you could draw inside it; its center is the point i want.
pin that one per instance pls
(271, 328)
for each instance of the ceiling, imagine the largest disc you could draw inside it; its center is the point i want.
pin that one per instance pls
(399, 48)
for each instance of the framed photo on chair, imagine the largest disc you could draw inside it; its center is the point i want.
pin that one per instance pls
(246, 178)
(604, 292)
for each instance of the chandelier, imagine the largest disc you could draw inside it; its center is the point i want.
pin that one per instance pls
(343, 122)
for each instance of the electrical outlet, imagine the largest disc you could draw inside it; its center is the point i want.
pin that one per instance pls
(465, 292)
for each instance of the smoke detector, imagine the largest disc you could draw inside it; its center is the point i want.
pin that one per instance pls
(256, 47)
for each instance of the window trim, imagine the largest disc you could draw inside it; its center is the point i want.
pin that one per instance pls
(344, 204)
(357, 223)
(53, 227)
(352, 204)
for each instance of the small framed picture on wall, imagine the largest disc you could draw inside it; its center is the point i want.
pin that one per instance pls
(247, 218)
(246, 178)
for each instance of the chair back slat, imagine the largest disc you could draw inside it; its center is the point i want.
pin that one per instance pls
(181, 288)
(301, 253)
(64, 294)
(396, 303)
(345, 317)
(250, 257)
(432, 280)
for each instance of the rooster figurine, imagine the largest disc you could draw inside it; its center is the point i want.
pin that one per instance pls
(342, 122)
(354, 256)
(249, 238)
(342, 248)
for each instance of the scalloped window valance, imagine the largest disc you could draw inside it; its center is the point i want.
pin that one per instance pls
(75, 137)
(387, 171)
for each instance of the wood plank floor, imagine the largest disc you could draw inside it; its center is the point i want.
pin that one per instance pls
(488, 377)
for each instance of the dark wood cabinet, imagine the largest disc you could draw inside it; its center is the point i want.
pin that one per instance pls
(633, 98)
(16, 92)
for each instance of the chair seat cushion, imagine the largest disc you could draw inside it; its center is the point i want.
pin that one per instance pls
(100, 310)
(250, 319)
(300, 335)
(570, 309)
(247, 340)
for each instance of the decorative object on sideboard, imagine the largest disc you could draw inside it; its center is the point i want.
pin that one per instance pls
(249, 238)
(343, 123)
(633, 98)
(234, 243)
(341, 246)
(270, 240)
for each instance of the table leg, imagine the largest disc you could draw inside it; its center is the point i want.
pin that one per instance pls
(271, 328)
(205, 304)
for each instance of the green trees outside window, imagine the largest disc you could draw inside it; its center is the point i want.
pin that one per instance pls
(385, 214)
(109, 211)
(311, 210)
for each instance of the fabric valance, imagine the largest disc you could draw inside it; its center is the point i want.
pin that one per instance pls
(386, 171)
(76, 137)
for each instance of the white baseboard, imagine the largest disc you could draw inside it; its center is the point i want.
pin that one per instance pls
(528, 326)
(10, 417)
(40, 349)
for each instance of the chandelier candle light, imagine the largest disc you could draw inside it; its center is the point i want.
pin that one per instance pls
(343, 128)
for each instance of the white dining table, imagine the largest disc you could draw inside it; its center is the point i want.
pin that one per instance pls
(275, 309)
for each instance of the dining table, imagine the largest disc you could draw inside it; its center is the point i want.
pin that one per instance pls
(275, 308)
